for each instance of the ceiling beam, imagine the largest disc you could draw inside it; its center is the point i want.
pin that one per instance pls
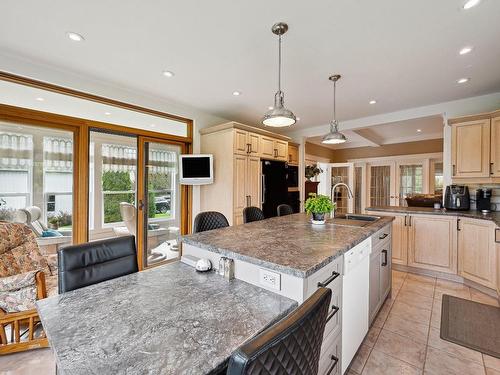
(369, 137)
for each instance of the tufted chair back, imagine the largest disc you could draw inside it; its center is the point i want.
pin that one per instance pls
(252, 214)
(284, 209)
(209, 220)
(291, 346)
(19, 252)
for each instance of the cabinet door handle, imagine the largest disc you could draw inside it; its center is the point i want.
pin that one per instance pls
(335, 309)
(249, 148)
(335, 361)
(406, 217)
(249, 200)
(329, 280)
(409, 220)
(383, 236)
(491, 167)
(497, 235)
(454, 172)
(458, 225)
(384, 262)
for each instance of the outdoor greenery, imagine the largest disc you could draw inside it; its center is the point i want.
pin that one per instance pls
(312, 171)
(6, 213)
(320, 204)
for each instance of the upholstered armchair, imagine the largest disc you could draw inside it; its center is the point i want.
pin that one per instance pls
(23, 272)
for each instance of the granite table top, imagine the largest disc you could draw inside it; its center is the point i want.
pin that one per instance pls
(473, 214)
(166, 320)
(288, 244)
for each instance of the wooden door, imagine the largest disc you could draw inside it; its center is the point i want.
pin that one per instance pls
(266, 146)
(477, 251)
(400, 240)
(293, 154)
(470, 149)
(239, 191)
(240, 144)
(495, 147)
(281, 150)
(432, 243)
(253, 142)
(253, 181)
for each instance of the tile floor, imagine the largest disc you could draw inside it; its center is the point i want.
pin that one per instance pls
(403, 340)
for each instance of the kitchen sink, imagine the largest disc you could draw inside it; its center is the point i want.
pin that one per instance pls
(353, 220)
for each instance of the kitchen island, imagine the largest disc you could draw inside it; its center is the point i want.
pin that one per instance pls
(292, 257)
(166, 320)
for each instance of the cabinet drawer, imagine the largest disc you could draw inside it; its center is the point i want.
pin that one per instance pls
(334, 318)
(325, 276)
(381, 235)
(329, 360)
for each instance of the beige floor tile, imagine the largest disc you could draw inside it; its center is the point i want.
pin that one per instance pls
(421, 278)
(411, 313)
(480, 297)
(371, 337)
(414, 299)
(399, 274)
(439, 362)
(32, 362)
(456, 350)
(401, 347)
(436, 314)
(382, 364)
(400, 325)
(425, 290)
(359, 360)
(459, 292)
(490, 371)
(491, 362)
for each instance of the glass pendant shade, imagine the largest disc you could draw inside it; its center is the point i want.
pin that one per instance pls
(279, 116)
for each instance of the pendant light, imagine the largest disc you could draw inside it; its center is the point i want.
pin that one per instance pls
(279, 116)
(334, 136)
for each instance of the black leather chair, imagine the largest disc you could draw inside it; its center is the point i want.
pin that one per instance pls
(94, 262)
(291, 346)
(252, 214)
(284, 209)
(209, 220)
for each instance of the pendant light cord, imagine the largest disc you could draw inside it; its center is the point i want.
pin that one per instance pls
(279, 63)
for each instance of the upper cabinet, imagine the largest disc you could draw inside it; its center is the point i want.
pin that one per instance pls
(475, 148)
(293, 153)
(271, 148)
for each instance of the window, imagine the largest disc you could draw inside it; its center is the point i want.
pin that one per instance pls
(438, 178)
(411, 180)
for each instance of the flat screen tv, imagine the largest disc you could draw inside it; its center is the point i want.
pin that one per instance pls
(196, 169)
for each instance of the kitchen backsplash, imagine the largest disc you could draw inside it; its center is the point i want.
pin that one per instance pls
(495, 194)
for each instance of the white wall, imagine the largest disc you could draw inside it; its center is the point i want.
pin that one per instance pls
(201, 119)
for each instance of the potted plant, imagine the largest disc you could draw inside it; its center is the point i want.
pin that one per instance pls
(53, 222)
(312, 171)
(318, 206)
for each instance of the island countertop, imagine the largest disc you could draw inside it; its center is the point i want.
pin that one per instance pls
(288, 244)
(166, 320)
(472, 214)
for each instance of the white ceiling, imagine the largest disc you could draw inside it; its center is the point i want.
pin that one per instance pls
(404, 54)
(430, 127)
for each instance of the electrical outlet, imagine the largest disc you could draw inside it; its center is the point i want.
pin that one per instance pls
(270, 279)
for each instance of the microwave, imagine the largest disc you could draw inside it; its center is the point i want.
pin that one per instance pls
(292, 176)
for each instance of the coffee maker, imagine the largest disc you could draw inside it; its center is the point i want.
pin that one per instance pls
(456, 197)
(483, 200)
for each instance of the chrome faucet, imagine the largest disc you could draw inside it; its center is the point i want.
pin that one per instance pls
(332, 193)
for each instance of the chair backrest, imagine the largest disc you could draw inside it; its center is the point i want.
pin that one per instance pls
(127, 211)
(209, 220)
(291, 346)
(252, 214)
(32, 216)
(284, 209)
(97, 261)
(19, 251)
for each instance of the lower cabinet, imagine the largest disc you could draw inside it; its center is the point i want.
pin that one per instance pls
(400, 240)
(477, 256)
(329, 360)
(380, 276)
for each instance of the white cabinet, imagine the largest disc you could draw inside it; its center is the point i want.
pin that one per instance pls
(380, 271)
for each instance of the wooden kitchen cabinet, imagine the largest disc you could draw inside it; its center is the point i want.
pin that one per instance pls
(380, 273)
(470, 149)
(266, 145)
(477, 254)
(495, 147)
(432, 242)
(400, 240)
(245, 143)
(293, 154)
(246, 184)
(281, 148)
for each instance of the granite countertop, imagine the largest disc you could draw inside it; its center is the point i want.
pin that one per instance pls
(288, 244)
(473, 214)
(166, 320)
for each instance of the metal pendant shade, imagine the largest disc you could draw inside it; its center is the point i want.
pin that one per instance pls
(279, 116)
(334, 136)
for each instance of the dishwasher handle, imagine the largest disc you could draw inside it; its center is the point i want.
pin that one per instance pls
(325, 283)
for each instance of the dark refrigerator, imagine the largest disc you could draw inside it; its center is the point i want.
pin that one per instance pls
(274, 189)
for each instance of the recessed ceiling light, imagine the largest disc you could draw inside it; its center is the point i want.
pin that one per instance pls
(297, 118)
(40, 99)
(270, 107)
(373, 102)
(465, 50)
(236, 93)
(75, 37)
(153, 125)
(107, 113)
(471, 3)
(463, 80)
(168, 73)
(419, 130)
